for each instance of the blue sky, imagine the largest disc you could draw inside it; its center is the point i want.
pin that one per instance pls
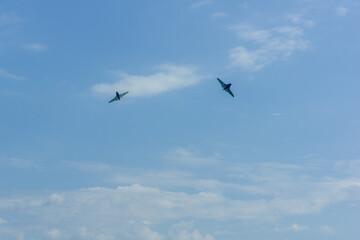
(178, 158)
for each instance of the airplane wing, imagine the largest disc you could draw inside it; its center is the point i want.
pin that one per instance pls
(123, 94)
(221, 82)
(114, 99)
(230, 92)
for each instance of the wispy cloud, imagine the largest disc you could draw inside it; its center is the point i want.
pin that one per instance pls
(181, 179)
(349, 167)
(298, 19)
(9, 18)
(190, 158)
(341, 11)
(12, 93)
(90, 166)
(35, 47)
(18, 163)
(218, 15)
(169, 77)
(325, 229)
(272, 44)
(293, 228)
(53, 234)
(2, 221)
(8, 75)
(200, 3)
(190, 235)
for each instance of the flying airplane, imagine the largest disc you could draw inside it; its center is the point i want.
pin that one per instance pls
(118, 96)
(226, 87)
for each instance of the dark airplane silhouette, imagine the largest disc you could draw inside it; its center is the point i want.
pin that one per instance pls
(226, 87)
(118, 97)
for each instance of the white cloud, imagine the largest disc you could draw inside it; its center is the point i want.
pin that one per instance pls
(276, 114)
(169, 78)
(293, 228)
(132, 211)
(247, 33)
(142, 203)
(11, 76)
(178, 180)
(249, 60)
(272, 44)
(53, 234)
(298, 228)
(341, 11)
(298, 19)
(106, 213)
(291, 32)
(193, 235)
(35, 47)
(186, 231)
(56, 198)
(201, 3)
(148, 234)
(350, 167)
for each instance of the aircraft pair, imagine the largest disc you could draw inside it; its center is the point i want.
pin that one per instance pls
(226, 87)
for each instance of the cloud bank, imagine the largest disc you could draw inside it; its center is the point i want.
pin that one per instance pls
(150, 199)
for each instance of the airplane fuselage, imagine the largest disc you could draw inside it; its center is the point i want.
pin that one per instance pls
(227, 86)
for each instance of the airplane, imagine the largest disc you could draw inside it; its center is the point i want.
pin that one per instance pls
(118, 96)
(226, 87)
